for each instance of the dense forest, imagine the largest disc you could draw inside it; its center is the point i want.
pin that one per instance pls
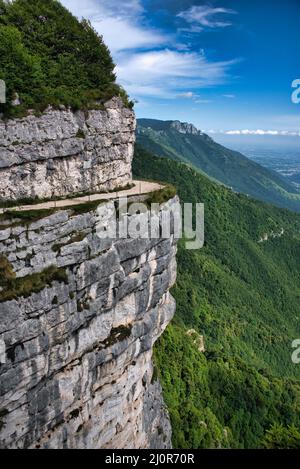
(242, 296)
(48, 57)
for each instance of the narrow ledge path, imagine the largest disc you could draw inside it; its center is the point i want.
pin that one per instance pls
(139, 188)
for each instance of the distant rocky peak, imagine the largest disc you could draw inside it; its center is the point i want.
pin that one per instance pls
(185, 128)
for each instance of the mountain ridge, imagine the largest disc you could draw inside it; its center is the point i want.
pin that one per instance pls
(184, 142)
(182, 127)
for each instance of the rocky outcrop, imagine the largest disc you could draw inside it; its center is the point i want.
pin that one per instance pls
(77, 327)
(64, 152)
(272, 235)
(198, 340)
(154, 128)
(185, 128)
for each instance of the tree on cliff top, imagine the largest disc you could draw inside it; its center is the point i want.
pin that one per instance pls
(48, 57)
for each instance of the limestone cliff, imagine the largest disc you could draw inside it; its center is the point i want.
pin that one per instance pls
(64, 152)
(79, 313)
(76, 367)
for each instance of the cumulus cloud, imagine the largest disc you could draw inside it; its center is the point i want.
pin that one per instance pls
(256, 132)
(187, 95)
(252, 132)
(204, 16)
(118, 22)
(96, 8)
(121, 34)
(203, 101)
(170, 72)
(193, 96)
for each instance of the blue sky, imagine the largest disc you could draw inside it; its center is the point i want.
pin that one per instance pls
(223, 65)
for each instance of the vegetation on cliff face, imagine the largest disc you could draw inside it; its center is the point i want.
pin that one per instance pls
(48, 57)
(15, 288)
(7, 274)
(242, 295)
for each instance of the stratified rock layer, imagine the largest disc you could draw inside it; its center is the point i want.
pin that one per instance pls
(64, 152)
(76, 354)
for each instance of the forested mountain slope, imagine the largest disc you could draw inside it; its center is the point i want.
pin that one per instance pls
(243, 296)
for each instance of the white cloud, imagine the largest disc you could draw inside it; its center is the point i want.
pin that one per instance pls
(96, 8)
(187, 95)
(252, 132)
(169, 72)
(203, 101)
(124, 7)
(229, 96)
(204, 16)
(195, 97)
(120, 34)
(118, 22)
(255, 132)
(81, 9)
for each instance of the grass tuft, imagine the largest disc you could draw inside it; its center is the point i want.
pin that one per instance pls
(25, 286)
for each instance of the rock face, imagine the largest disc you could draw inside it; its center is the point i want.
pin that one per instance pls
(185, 128)
(64, 152)
(76, 342)
(157, 128)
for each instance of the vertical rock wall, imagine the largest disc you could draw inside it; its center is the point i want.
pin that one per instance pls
(77, 332)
